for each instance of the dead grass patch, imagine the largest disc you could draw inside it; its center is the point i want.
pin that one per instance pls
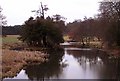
(13, 61)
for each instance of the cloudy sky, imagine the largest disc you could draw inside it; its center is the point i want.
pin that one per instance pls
(17, 11)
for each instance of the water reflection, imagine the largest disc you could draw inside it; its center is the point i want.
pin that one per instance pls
(75, 63)
(96, 62)
(48, 70)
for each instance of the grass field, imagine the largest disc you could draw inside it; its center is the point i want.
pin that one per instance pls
(10, 39)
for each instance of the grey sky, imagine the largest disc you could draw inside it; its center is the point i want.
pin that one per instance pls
(17, 11)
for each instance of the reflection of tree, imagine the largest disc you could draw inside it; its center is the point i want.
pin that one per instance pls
(105, 66)
(47, 70)
(89, 55)
(84, 56)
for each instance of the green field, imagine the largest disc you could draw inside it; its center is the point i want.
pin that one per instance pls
(10, 39)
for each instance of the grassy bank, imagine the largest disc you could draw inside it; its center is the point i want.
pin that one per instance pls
(10, 39)
(14, 61)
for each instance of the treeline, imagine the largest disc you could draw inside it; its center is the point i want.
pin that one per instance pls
(11, 30)
(105, 26)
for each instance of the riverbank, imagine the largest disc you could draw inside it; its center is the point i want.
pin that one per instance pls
(16, 56)
(115, 52)
(13, 61)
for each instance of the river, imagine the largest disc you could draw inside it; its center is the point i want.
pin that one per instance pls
(74, 63)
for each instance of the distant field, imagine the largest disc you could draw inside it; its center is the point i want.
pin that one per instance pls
(10, 39)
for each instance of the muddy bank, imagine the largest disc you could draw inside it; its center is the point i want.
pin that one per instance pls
(13, 61)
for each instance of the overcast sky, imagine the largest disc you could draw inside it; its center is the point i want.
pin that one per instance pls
(18, 11)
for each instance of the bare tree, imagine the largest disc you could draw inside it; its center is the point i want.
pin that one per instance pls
(2, 18)
(41, 11)
(110, 13)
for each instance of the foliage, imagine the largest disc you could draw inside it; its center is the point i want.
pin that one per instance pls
(2, 18)
(41, 32)
(60, 22)
(85, 30)
(110, 13)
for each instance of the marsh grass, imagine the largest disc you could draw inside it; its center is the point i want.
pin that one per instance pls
(13, 61)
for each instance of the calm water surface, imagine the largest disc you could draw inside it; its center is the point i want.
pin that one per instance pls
(76, 63)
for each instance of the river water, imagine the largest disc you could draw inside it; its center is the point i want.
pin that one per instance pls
(75, 63)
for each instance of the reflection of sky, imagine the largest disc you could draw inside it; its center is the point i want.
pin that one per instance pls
(76, 71)
(78, 49)
(84, 67)
(21, 75)
(73, 70)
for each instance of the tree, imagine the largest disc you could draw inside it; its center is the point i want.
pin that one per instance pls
(60, 22)
(41, 32)
(58, 17)
(110, 14)
(41, 10)
(84, 31)
(2, 18)
(45, 32)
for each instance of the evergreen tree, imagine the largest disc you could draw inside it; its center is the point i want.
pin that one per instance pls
(41, 32)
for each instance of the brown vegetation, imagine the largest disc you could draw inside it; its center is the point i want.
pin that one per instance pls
(114, 52)
(13, 61)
